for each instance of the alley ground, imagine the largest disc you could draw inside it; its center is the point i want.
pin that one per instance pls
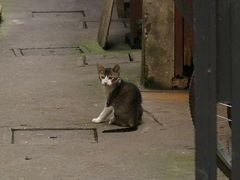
(48, 96)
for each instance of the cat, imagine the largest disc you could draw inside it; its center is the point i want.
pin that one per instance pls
(123, 106)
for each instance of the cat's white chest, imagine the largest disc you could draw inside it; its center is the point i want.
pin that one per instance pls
(108, 89)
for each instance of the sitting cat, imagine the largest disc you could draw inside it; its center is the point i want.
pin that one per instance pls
(123, 106)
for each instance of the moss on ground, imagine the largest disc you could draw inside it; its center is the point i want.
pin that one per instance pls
(91, 47)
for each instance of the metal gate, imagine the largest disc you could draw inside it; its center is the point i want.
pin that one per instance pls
(216, 27)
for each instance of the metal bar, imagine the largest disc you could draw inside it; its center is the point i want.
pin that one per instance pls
(223, 50)
(235, 13)
(224, 104)
(224, 118)
(205, 91)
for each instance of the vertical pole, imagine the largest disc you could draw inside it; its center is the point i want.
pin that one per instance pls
(235, 5)
(179, 44)
(144, 36)
(135, 17)
(120, 8)
(205, 91)
(224, 65)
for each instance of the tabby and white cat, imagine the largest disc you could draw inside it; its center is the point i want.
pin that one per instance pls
(123, 106)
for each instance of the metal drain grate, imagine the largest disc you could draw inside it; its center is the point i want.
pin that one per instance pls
(53, 135)
(49, 51)
(58, 13)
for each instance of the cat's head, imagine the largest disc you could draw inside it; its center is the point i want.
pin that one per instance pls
(108, 76)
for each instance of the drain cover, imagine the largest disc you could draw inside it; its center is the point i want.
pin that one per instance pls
(53, 135)
(73, 14)
(118, 24)
(49, 51)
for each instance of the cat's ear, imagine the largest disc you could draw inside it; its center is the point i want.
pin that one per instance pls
(116, 68)
(100, 68)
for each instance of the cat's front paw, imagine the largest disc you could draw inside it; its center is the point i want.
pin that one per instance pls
(96, 120)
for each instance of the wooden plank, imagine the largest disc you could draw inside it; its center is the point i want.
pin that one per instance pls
(178, 62)
(120, 8)
(135, 16)
(105, 22)
(185, 7)
(187, 45)
(134, 38)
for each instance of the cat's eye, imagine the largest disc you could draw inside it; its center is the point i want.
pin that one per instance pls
(110, 77)
(102, 76)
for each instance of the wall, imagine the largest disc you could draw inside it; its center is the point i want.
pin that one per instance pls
(158, 43)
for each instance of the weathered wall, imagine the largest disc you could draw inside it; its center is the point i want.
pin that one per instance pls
(158, 43)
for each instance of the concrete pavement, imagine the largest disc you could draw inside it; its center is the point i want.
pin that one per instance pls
(48, 97)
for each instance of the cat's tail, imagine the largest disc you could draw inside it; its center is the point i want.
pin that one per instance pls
(127, 129)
